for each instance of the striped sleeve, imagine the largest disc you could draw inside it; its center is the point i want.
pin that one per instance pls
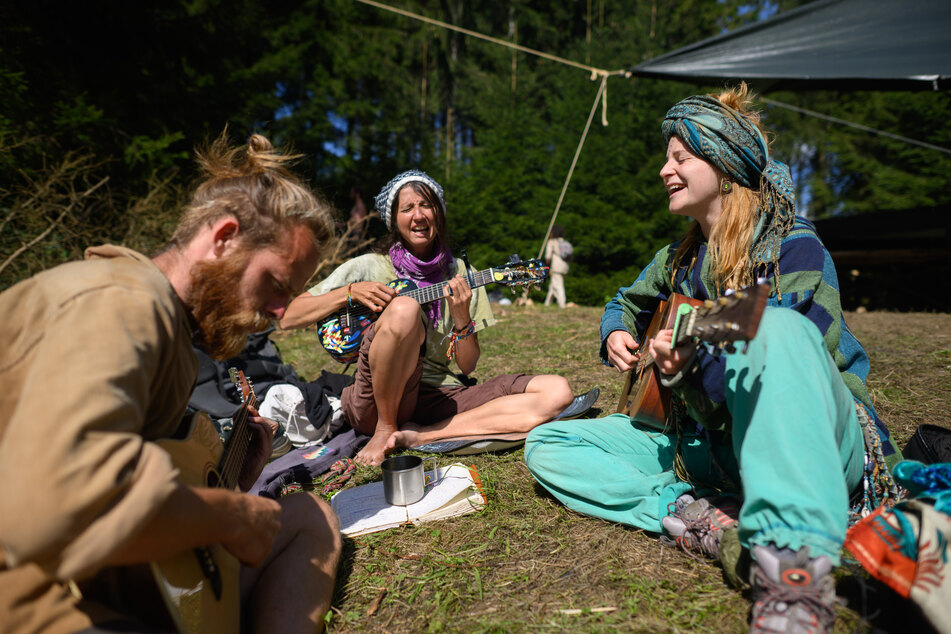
(809, 284)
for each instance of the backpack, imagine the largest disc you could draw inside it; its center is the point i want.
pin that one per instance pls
(565, 249)
(261, 363)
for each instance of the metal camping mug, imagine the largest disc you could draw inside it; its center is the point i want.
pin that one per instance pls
(404, 479)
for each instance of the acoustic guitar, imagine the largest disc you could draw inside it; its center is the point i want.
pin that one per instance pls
(200, 588)
(341, 333)
(723, 321)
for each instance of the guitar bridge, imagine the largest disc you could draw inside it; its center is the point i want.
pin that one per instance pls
(210, 570)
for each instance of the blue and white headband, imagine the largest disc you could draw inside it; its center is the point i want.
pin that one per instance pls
(384, 200)
(732, 143)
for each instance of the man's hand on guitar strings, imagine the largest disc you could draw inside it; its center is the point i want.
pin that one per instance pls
(669, 361)
(622, 350)
(373, 295)
(262, 445)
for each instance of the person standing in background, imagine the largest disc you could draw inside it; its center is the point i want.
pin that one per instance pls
(557, 253)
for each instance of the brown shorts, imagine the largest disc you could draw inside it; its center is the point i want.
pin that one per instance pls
(421, 404)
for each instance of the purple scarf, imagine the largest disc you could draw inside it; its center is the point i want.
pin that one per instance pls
(423, 272)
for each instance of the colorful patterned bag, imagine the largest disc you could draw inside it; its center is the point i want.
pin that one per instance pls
(907, 546)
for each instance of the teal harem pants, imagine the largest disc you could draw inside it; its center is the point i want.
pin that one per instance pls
(795, 447)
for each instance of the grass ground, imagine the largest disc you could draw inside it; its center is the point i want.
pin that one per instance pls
(526, 564)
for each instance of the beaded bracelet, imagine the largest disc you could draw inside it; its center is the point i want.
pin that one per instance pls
(458, 335)
(350, 295)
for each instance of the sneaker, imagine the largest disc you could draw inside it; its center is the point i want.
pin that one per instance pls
(698, 525)
(791, 592)
(281, 444)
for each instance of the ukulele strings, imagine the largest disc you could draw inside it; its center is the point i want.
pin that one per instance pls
(427, 294)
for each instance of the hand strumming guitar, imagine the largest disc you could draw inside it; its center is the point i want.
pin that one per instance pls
(373, 295)
(669, 361)
(307, 309)
(250, 524)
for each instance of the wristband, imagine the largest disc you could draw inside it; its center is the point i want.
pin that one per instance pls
(458, 335)
(468, 329)
(350, 295)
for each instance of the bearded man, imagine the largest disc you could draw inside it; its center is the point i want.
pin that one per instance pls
(98, 366)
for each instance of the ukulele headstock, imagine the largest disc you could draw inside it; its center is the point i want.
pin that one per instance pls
(517, 272)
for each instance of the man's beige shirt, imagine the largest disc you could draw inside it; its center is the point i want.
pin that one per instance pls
(96, 363)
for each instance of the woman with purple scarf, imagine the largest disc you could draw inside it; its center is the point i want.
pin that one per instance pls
(405, 393)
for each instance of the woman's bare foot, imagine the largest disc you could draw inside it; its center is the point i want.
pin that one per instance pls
(404, 439)
(376, 450)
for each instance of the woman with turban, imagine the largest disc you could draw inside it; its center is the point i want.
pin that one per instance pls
(405, 394)
(765, 448)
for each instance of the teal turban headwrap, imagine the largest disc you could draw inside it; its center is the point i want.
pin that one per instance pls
(732, 143)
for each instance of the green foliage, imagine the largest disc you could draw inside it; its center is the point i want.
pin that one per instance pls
(154, 152)
(364, 93)
(847, 170)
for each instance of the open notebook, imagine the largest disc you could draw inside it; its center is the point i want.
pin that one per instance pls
(363, 509)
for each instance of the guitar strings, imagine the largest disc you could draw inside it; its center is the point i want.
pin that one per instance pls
(237, 447)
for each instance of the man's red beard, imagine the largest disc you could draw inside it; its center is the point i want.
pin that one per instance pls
(215, 302)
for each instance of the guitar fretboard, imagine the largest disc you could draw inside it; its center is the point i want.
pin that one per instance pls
(433, 292)
(423, 295)
(236, 447)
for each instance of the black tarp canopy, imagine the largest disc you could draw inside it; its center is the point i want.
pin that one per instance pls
(828, 44)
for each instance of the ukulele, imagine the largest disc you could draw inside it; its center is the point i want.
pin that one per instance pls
(200, 588)
(341, 333)
(723, 321)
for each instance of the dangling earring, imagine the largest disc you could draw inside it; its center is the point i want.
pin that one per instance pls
(726, 186)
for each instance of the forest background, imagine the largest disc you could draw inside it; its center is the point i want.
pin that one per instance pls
(104, 102)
